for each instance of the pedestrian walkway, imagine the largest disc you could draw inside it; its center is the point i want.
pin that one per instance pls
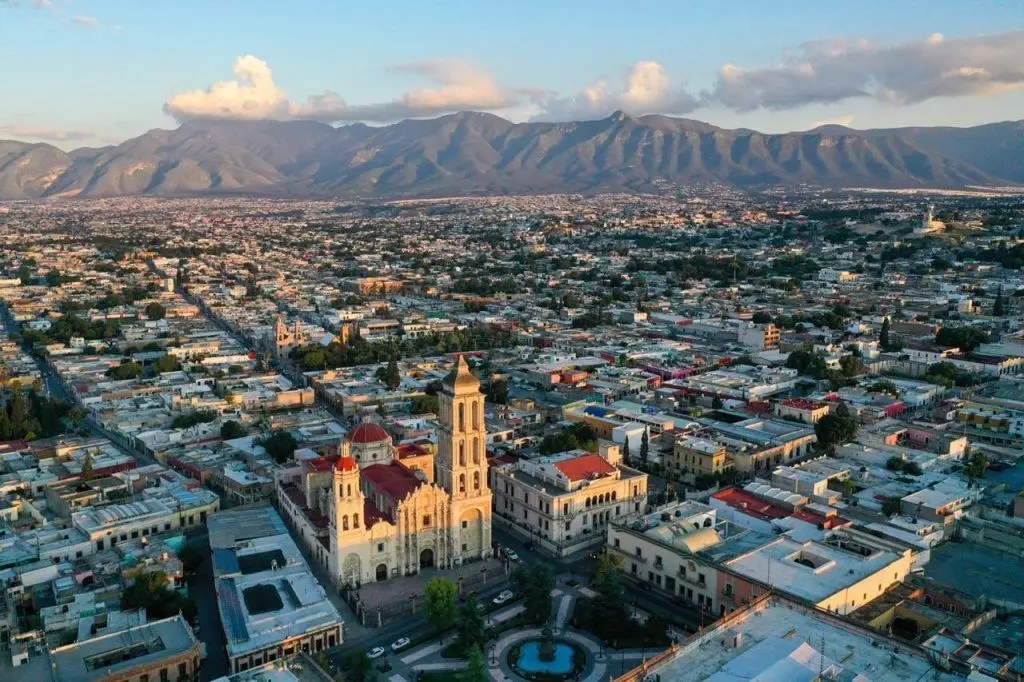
(564, 609)
(396, 678)
(447, 665)
(421, 653)
(507, 614)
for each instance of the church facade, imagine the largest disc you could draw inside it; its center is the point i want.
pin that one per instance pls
(376, 511)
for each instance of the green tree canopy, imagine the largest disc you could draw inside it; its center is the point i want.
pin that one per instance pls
(232, 429)
(440, 598)
(535, 582)
(280, 445)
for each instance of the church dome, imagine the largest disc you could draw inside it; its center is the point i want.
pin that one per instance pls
(346, 464)
(367, 432)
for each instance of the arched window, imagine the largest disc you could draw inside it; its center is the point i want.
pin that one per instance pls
(614, 495)
(341, 490)
(355, 520)
(462, 416)
(462, 483)
(349, 490)
(476, 450)
(587, 504)
(344, 522)
(462, 453)
(476, 480)
(476, 421)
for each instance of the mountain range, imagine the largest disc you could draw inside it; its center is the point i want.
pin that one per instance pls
(478, 153)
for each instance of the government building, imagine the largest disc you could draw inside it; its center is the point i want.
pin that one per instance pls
(374, 511)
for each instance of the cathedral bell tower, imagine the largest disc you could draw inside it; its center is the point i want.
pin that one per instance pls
(461, 463)
(347, 518)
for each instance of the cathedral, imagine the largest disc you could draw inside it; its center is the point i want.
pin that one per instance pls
(376, 511)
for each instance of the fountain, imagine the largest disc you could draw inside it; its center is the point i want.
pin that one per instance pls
(547, 659)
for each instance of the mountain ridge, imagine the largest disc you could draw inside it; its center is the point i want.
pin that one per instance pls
(481, 153)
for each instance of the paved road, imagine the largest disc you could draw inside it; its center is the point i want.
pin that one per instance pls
(201, 591)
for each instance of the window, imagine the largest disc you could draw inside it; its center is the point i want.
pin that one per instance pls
(565, 508)
(617, 543)
(143, 677)
(355, 520)
(380, 546)
(639, 551)
(476, 421)
(462, 454)
(462, 483)
(135, 534)
(465, 524)
(163, 675)
(476, 451)
(167, 526)
(462, 417)
(344, 522)
(700, 578)
(426, 520)
(464, 546)
(568, 526)
(476, 480)
(727, 590)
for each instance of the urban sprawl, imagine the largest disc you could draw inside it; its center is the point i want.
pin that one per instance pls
(709, 436)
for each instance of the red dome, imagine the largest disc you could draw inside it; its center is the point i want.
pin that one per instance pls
(367, 432)
(347, 464)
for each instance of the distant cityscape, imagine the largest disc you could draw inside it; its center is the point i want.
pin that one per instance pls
(702, 434)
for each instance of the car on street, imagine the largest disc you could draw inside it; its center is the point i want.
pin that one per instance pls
(503, 596)
(400, 643)
(375, 652)
(511, 554)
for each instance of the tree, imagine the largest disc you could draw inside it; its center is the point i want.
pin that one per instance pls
(884, 386)
(232, 429)
(469, 625)
(168, 363)
(625, 450)
(440, 599)
(149, 591)
(761, 317)
(155, 311)
(836, 429)
(607, 562)
(883, 337)
(54, 278)
(894, 464)
(999, 307)
(912, 468)
(357, 666)
(126, 370)
(975, 464)
(716, 403)
(476, 671)
(280, 445)
(390, 376)
(497, 392)
(851, 366)
(87, 471)
(424, 404)
(964, 338)
(645, 447)
(535, 582)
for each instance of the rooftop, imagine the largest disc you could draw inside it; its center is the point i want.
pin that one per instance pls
(775, 640)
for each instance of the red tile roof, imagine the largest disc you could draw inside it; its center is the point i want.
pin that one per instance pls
(347, 464)
(743, 501)
(367, 432)
(321, 463)
(584, 467)
(411, 450)
(394, 480)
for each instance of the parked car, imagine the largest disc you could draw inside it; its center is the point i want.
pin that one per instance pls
(400, 643)
(511, 554)
(375, 652)
(503, 596)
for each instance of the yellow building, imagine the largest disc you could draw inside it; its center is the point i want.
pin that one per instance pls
(375, 512)
(698, 456)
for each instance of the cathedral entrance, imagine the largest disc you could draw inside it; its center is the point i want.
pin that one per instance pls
(427, 559)
(382, 572)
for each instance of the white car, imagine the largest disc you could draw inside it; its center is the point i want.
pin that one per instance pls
(503, 597)
(511, 554)
(375, 652)
(400, 643)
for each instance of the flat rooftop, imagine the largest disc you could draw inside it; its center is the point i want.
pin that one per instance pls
(810, 570)
(107, 655)
(776, 640)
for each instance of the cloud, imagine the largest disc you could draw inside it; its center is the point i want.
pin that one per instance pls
(40, 4)
(845, 121)
(829, 71)
(252, 96)
(457, 85)
(646, 88)
(43, 133)
(91, 22)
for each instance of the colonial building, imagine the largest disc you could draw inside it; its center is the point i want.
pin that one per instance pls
(285, 339)
(564, 502)
(375, 511)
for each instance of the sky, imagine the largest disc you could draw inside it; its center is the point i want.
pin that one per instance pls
(92, 72)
